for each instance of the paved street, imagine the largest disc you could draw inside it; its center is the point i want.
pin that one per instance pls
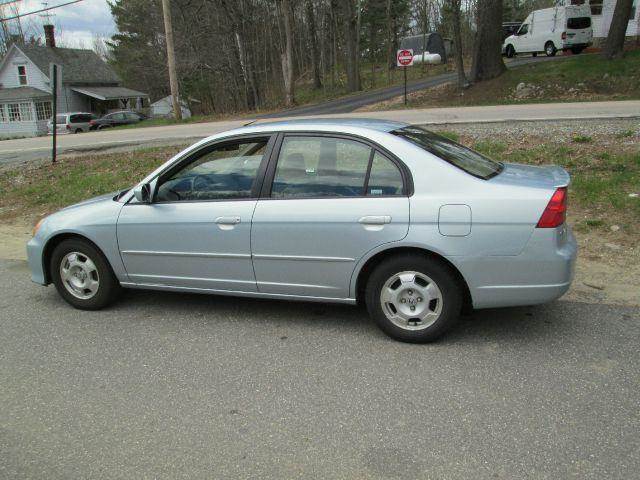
(186, 386)
(19, 150)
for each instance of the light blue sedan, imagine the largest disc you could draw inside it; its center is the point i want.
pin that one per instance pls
(410, 223)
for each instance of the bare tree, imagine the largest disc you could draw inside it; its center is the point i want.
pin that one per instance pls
(313, 40)
(287, 55)
(487, 57)
(614, 45)
(457, 43)
(350, 19)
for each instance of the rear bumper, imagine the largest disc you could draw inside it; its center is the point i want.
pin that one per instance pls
(541, 273)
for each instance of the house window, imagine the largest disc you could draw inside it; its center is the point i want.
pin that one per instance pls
(43, 110)
(20, 112)
(3, 114)
(596, 7)
(22, 74)
(632, 15)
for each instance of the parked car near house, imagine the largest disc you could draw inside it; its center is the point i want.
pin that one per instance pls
(115, 119)
(76, 122)
(552, 29)
(410, 223)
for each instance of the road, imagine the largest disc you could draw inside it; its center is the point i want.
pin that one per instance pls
(184, 386)
(353, 102)
(20, 150)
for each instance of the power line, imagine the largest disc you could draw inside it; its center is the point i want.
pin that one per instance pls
(38, 11)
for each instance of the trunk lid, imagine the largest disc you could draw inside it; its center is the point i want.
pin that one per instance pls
(551, 176)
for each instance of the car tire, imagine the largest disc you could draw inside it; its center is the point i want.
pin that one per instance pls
(102, 127)
(576, 50)
(412, 284)
(78, 130)
(82, 275)
(534, 54)
(550, 49)
(511, 52)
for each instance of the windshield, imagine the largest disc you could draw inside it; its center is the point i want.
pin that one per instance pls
(462, 157)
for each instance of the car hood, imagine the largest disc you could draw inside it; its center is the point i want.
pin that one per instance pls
(100, 198)
(549, 176)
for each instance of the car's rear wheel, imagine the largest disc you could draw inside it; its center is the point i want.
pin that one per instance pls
(102, 127)
(550, 49)
(577, 50)
(413, 298)
(82, 275)
(511, 52)
(78, 130)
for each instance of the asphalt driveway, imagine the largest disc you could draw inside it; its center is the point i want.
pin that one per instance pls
(187, 386)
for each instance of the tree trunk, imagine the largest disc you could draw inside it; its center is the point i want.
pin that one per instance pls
(614, 45)
(315, 57)
(352, 63)
(487, 56)
(389, 49)
(287, 56)
(457, 40)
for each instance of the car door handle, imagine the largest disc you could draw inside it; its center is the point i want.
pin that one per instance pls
(228, 220)
(375, 219)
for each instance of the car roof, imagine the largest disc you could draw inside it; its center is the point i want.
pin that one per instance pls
(335, 124)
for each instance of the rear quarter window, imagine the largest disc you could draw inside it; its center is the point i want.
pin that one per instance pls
(464, 158)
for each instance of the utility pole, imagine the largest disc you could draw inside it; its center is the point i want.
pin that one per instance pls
(171, 60)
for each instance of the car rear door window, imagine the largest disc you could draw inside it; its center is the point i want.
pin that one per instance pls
(311, 166)
(385, 177)
(222, 172)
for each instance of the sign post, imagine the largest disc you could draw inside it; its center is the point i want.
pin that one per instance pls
(404, 59)
(53, 75)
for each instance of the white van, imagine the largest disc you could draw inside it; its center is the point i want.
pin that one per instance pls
(552, 29)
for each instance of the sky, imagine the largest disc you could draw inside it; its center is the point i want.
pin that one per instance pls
(76, 24)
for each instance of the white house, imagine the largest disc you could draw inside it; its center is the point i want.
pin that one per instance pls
(602, 13)
(87, 84)
(164, 108)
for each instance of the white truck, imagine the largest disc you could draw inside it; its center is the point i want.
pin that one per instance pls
(552, 29)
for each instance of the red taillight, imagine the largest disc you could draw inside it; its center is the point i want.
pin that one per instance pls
(564, 35)
(556, 212)
(92, 122)
(68, 127)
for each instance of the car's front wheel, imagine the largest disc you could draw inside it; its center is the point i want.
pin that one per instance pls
(82, 275)
(511, 52)
(413, 298)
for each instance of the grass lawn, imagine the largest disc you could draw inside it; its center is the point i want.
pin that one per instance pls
(585, 77)
(605, 171)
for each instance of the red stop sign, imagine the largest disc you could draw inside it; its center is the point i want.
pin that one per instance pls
(405, 58)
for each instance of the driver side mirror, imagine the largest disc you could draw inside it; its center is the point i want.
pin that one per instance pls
(142, 193)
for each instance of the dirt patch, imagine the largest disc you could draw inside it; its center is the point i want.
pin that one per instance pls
(13, 239)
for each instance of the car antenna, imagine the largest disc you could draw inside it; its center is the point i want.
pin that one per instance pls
(250, 122)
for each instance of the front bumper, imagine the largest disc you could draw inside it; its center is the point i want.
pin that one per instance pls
(542, 272)
(34, 257)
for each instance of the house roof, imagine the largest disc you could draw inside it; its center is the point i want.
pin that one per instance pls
(78, 65)
(109, 93)
(22, 93)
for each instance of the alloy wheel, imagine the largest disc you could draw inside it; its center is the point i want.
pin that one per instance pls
(79, 275)
(411, 300)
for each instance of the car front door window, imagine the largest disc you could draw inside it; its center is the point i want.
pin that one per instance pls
(223, 173)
